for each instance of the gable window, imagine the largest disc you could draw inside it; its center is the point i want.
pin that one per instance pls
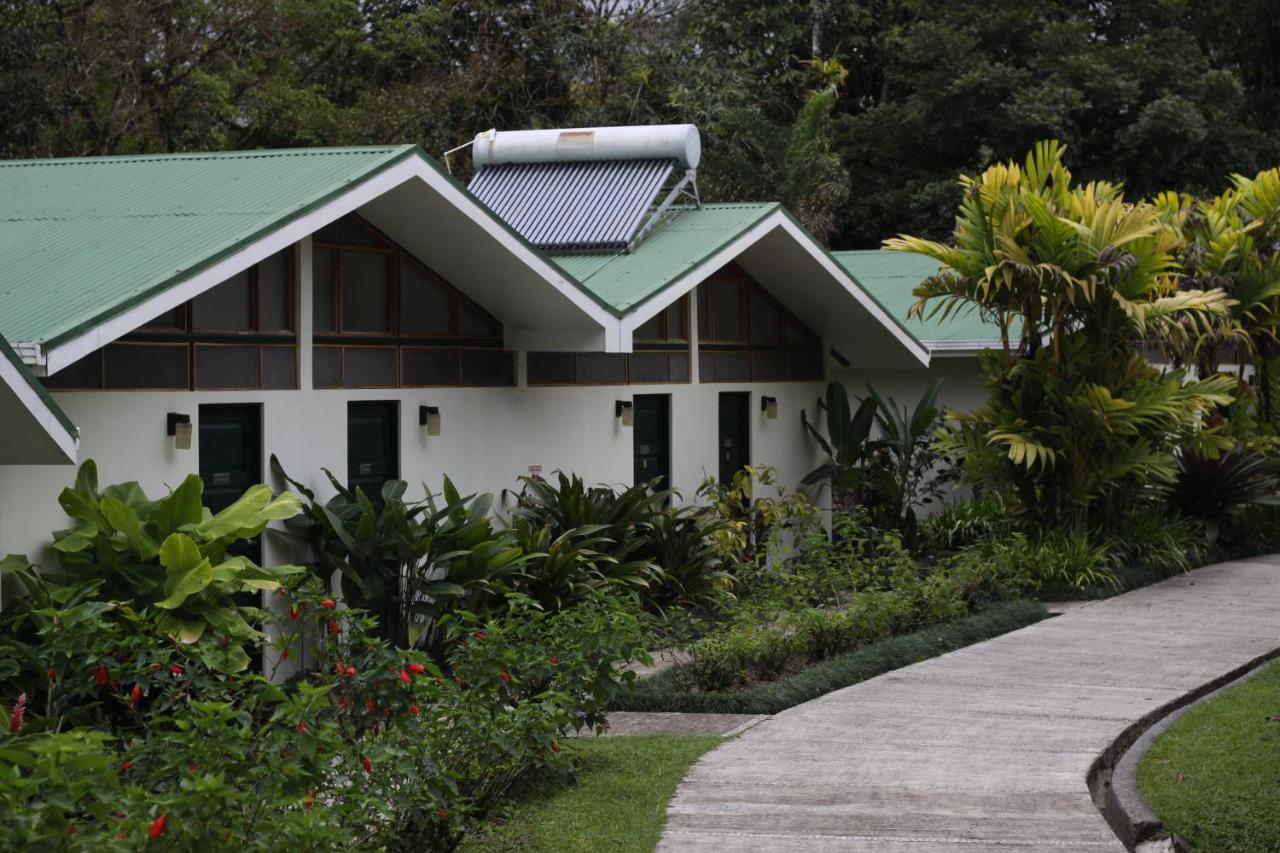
(745, 335)
(661, 355)
(384, 319)
(240, 334)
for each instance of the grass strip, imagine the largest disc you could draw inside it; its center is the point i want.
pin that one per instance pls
(662, 692)
(1214, 776)
(617, 803)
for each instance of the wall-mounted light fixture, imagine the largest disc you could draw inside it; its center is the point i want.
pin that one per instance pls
(429, 417)
(625, 410)
(178, 427)
(769, 405)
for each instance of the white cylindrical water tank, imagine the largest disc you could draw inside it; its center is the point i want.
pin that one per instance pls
(644, 142)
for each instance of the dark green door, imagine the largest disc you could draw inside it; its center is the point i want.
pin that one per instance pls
(735, 433)
(231, 460)
(373, 447)
(652, 436)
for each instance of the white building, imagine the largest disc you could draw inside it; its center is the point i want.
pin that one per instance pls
(576, 309)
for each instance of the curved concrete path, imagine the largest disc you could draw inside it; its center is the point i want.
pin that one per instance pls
(985, 748)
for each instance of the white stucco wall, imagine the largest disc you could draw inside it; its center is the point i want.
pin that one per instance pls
(961, 388)
(489, 437)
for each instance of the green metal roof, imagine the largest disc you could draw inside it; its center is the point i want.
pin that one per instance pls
(41, 392)
(84, 239)
(681, 243)
(891, 277)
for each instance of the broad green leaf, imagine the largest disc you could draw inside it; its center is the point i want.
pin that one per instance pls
(183, 506)
(131, 495)
(124, 518)
(242, 519)
(182, 629)
(76, 538)
(188, 571)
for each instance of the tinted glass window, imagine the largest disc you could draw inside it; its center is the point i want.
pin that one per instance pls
(598, 368)
(727, 296)
(423, 367)
(473, 323)
(679, 366)
(350, 234)
(732, 367)
(798, 333)
(650, 367)
(273, 293)
(366, 282)
(85, 373)
(168, 321)
(227, 367)
(649, 330)
(766, 320)
(367, 367)
(322, 290)
(551, 368)
(488, 368)
(706, 366)
(225, 307)
(704, 313)
(768, 366)
(675, 322)
(326, 367)
(425, 307)
(279, 367)
(146, 366)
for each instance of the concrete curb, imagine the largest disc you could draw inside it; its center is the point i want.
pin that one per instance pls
(1113, 777)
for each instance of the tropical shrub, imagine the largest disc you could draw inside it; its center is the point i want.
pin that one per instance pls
(1211, 488)
(848, 444)
(1078, 425)
(170, 559)
(408, 562)
(372, 746)
(752, 518)
(964, 522)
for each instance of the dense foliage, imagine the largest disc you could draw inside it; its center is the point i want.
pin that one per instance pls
(905, 93)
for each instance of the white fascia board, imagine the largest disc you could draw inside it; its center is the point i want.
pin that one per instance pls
(917, 349)
(958, 348)
(68, 443)
(68, 352)
(659, 302)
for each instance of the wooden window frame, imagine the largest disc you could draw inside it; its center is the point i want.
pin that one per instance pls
(666, 338)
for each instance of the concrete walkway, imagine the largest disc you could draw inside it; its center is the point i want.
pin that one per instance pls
(985, 748)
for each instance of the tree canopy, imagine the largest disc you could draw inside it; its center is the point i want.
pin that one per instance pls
(858, 112)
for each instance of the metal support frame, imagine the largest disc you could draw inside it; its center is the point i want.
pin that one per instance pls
(690, 179)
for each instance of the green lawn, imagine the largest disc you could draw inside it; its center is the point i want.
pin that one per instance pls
(617, 803)
(1214, 776)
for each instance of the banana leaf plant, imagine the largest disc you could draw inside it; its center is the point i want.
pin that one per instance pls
(408, 562)
(912, 477)
(848, 444)
(170, 557)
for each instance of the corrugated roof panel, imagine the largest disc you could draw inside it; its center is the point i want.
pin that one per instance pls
(583, 206)
(892, 276)
(679, 244)
(81, 238)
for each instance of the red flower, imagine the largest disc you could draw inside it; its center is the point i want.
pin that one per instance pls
(413, 709)
(71, 829)
(135, 694)
(458, 678)
(417, 668)
(373, 706)
(126, 766)
(53, 676)
(310, 800)
(158, 825)
(284, 655)
(506, 679)
(333, 627)
(102, 677)
(121, 835)
(442, 813)
(351, 672)
(555, 661)
(555, 747)
(480, 635)
(328, 604)
(175, 669)
(302, 727)
(404, 676)
(293, 614)
(368, 765)
(337, 667)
